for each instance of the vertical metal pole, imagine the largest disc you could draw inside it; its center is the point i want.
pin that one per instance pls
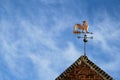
(84, 48)
(85, 41)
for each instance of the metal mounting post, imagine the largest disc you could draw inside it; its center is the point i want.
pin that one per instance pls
(85, 39)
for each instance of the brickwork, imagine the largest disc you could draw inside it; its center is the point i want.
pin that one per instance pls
(82, 72)
(84, 69)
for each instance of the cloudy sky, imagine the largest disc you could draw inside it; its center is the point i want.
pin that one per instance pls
(36, 40)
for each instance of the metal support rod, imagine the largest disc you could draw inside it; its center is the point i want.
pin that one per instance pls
(84, 48)
(85, 40)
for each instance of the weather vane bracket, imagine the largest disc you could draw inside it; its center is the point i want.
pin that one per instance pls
(83, 30)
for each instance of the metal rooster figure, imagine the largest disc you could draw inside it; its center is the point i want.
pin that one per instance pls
(82, 29)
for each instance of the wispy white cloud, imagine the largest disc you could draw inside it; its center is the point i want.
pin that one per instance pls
(43, 67)
(106, 35)
(70, 53)
(106, 30)
(21, 48)
(39, 42)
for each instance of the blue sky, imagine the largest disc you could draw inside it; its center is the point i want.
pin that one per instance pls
(36, 40)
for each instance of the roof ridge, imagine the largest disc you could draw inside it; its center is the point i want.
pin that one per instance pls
(97, 69)
(89, 63)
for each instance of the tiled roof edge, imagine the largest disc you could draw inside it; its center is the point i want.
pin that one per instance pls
(94, 67)
(69, 69)
(98, 70)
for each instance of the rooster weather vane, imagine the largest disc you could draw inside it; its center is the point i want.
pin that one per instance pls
(82, 29)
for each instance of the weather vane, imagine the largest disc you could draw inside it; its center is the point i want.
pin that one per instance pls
(82, 29)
